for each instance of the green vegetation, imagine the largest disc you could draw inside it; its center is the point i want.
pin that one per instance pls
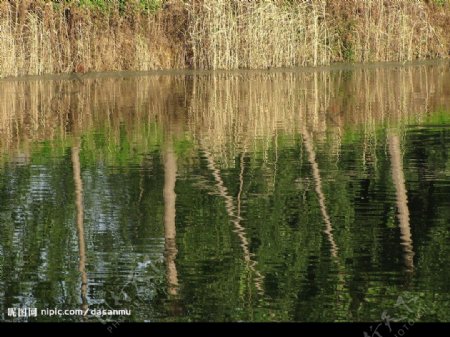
(150, 6)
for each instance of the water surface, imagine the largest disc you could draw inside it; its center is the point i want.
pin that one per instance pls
(254, 196)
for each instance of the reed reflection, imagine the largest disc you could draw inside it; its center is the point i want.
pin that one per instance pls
(240, 145)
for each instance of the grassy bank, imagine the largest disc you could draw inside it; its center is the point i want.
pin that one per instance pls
(41, 36)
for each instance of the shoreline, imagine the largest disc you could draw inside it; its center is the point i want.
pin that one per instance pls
(199, 72)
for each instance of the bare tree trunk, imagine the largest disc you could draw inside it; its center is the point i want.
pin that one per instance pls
(80, 221)
(402, 200)
(170, 173)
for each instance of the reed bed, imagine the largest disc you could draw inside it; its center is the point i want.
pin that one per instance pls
(40, 37)
(263, 34)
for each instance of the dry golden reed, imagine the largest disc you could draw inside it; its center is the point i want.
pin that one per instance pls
(258, 34)
(37, 37)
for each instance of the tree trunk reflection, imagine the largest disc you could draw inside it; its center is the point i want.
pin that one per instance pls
(398, 179)
(309, 146)
(170, 172)
(80, 221)
(235, 218)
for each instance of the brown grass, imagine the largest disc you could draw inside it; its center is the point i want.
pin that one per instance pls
(38, 38)
(258, 34)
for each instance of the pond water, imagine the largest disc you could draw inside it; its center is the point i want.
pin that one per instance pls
(316, 195)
